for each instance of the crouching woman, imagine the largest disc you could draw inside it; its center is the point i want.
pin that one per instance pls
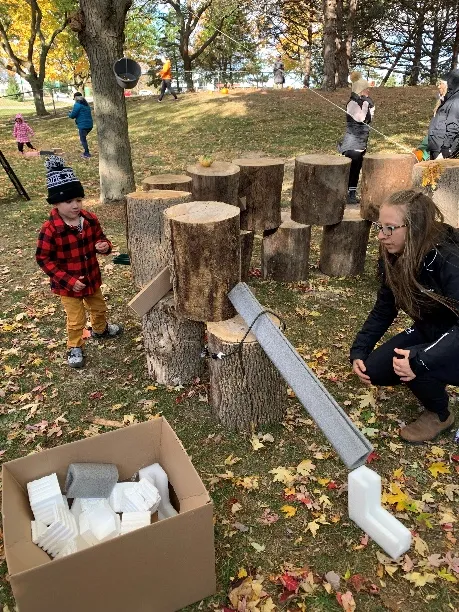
(419, 269)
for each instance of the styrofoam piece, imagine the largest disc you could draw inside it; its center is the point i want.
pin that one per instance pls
(45, 494)
(81, 504)
(99, 525)
(117, 500)
(130, 521)
(62, 529)
(85, 529)
(364, 503)
(90, 479)
(38, 529)
(350, 444)
(157, 476)
(144, 496)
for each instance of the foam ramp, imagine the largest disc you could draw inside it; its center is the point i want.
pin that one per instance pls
(350, 444)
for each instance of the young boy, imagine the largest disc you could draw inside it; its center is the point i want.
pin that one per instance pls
(66, 252)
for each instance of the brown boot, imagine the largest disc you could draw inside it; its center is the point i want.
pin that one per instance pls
(427, 427)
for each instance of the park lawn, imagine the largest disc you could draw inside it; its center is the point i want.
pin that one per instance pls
(263, 527)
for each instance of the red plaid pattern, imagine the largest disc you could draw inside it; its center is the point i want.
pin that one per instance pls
(65, 254)
(22, 132)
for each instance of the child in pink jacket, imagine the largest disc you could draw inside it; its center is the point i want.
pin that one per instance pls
(23, 133)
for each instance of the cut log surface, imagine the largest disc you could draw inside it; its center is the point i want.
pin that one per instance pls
(382, 175)
(446, 193)
(246, 253)
(205, 258)
(219, 182)
(246, 390)
(285, 252)
(320, 189)
(145, 231)
(344, 245)
(260, 188)
(176, 182)
(173, 345)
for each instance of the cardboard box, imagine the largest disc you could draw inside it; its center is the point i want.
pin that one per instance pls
(162, 568)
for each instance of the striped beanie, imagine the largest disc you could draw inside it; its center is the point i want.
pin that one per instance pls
(62, 183)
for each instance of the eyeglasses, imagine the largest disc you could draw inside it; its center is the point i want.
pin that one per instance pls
(386, 229)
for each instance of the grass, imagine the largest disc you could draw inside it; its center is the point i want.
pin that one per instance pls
(46, 404)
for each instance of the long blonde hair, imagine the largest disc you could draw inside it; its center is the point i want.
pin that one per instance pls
(424, 230)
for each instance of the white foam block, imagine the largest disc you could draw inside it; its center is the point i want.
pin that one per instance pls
(130, 521)
(364, 503)
(117, 500)
(158, 477)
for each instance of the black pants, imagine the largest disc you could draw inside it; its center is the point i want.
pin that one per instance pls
(430, 390)
(356, 166)
(166, 86)
(21, 146)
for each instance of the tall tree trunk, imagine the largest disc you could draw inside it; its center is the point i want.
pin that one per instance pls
(329, 44)
(435, 52)
(455, 55)
(392, 67)
(100, 27)
(188, 68)
(342, 69)
(416, 65)
(307, 57)
(37, 88)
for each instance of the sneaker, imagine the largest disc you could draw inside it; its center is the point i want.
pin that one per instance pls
(352, 198)
(427, 427)
(111, 331)
(86, 155)
(75, 357)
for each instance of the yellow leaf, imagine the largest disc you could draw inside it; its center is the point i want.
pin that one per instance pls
(236, 507)
(324, 500)
(255, 442)
(282, 474)
(268, 605)
(420, 546)
(313, 527)
(129, 419)
(436, 451)
(398, 473)
(427, 497)
(438, 467)
(323, 481)
(447, 517)
(151, 388)
(445, 575)
(242, 573)
(367, 399)
(396, 496)
(418, 579)
(305, 467)
(289, 491)
(247, 482)
(231, 460)
(289, 511)
(258, 547)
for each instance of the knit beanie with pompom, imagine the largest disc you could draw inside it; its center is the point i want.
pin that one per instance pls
(359, 84)
(61, 181)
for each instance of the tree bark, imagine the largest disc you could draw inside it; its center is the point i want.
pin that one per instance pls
(329, 44)
(173, 345)
(392, 67)
(246, 390)
(307, 57)
(417, 57)
(319, 189)
(217, 183)
(455, 50)
(37, 89)
(344, 245)
(445, 194)
(285, 252)
(205, 258)
(260, 184)
(246, 253)
(382, 175)
(145, 231)
(177, 182)
(100, 27)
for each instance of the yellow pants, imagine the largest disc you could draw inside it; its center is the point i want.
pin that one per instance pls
(76, 316)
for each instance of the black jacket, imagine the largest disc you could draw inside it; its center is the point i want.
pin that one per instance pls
(357, 132)
(438, 324)
(444, 127)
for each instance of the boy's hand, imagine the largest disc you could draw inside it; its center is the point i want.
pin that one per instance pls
(102, 246)
(79, 286)
(359, 368)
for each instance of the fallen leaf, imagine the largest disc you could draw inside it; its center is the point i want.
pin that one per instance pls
(268, 605)
(290, 583)
(268, 517)
(420, 580)
(255, 442)
(282, 474)
(313, 527)
(438, 467)
(367, 399)
(242, 573)
(420, 546)
(408, 564)
(435, 560)
(258, 547)
(305, 467)
(333, 579)
(346, 601)
(289, 511)
(445, 575)
(231, 460)
(236, 507)
(104, 422)
(240, 527)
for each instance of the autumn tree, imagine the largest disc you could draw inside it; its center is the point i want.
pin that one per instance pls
(68, 62)
(100, 28)
(28, 30)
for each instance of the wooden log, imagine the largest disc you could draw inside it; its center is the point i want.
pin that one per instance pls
(145, 231)
(205, 258)
(173, 345)
(320, 189)
(260, 184)
(175, 182)
(344, 245)
(246, 390)
(382, 175)
(285, 251)
(246, 253)
(443, 175)
(216, 183)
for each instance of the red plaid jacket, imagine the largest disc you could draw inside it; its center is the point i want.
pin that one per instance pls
(64, 254)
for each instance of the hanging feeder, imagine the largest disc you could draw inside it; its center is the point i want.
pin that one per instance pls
(127, 72)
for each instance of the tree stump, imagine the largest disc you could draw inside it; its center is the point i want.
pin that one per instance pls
(217, 183)
(344, 245)
(444, 174)
(246, 253)
(205, 258)
(246, 390)
(173, 345)
(320, 189)
(382, 175)
(260, 184)
(176, 182)
(145, 231)
(285, 251)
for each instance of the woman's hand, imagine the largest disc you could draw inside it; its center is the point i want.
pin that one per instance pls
(402, 365)
(359, 368)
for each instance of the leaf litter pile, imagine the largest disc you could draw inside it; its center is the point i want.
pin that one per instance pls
(282, 534)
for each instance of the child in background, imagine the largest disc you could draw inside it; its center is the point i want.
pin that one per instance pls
(66, 251)
(22, 132)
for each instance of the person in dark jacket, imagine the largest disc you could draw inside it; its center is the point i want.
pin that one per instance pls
(81, 112)
(419, 269)
(444, 125)
(359, 113)
(279, 73)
